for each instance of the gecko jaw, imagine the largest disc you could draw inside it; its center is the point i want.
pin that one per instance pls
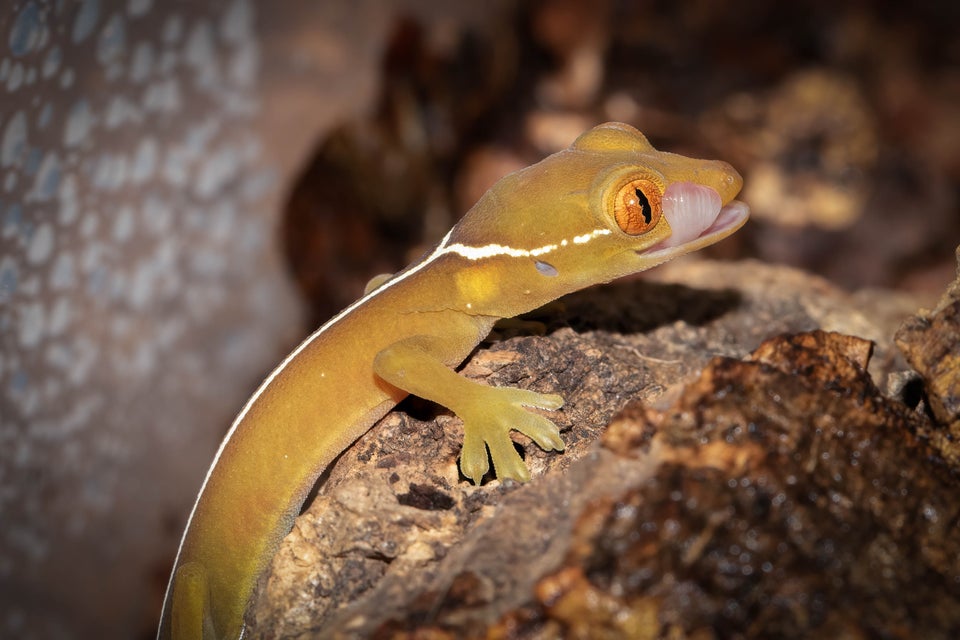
(696, 220)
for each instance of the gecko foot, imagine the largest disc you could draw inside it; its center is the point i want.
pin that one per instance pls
(487, 423)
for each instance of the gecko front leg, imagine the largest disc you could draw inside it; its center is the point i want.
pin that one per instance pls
(488, 413)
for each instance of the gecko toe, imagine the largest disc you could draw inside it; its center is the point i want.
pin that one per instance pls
(542, 431)
(506, 461)
(473, 456)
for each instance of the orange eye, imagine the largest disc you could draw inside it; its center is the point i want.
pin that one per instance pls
(637, 207)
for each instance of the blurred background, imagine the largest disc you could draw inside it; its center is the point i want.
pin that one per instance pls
(188, 188)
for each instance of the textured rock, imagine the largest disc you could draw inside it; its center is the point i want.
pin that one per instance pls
(783, 490)
(931, 343)
(135, 198)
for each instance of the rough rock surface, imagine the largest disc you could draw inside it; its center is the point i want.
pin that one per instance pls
(931, 343)
(731, 494)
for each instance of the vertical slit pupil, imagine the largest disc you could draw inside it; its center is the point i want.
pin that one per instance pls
(644, 205)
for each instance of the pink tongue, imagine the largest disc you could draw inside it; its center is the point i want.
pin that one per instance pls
(690, 209)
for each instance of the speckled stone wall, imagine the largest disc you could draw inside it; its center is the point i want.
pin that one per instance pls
(139, 295)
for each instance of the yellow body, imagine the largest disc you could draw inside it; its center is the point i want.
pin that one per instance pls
(565, 223)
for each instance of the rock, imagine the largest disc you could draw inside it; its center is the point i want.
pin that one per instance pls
(778, 493)
(931, 343)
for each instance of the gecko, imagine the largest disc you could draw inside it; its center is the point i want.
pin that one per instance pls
(608, 206)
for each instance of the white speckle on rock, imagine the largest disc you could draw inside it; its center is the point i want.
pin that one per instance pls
(29, 30)
(89, 224)
(112, 41)
(166, 260)
(32, 164)
(172, 29)
(69, 206)
(123, 225)
(144, 161)
(110, 172)
(162, 96)
(117, 286)
(58, 356)
(207, 264)
(236, 25)
(41, 244)
(168, 62)
(10, 181)
(92, 256)
(45, 115)
(144, 358)
(79, 418)
(9, 277)
(97, 281)
(200, 136)
(141, 288)
(201, 56)
(121, 111)
(16, 77)
(80, 121)
(157, 216)
(51, 62)
(86, 20)
(67, 78)
(175, 166)
(52, 389)
(138, 7)
(63, 273)
(215, 172)
(222, 221)
(12, 221)
(47, 181)
(121, 326)
(85, 354)
(169, 332)
(14, 144)
(61, 313)
(31, 324)
(31, 284)
(141, 65)
(244, 66)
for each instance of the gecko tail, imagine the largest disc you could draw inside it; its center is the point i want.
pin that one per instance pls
(189, 614)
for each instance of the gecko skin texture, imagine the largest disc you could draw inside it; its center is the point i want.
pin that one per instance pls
(608, 206)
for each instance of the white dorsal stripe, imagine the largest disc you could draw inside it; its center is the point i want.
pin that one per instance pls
(465, 251)
(587, 237)
(493, 250)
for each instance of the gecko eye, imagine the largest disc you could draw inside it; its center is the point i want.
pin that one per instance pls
(637, 206)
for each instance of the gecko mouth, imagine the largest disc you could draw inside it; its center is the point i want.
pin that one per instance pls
(697, 219)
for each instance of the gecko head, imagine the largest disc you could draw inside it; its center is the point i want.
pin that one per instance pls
(608, 206)
(658, 205)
